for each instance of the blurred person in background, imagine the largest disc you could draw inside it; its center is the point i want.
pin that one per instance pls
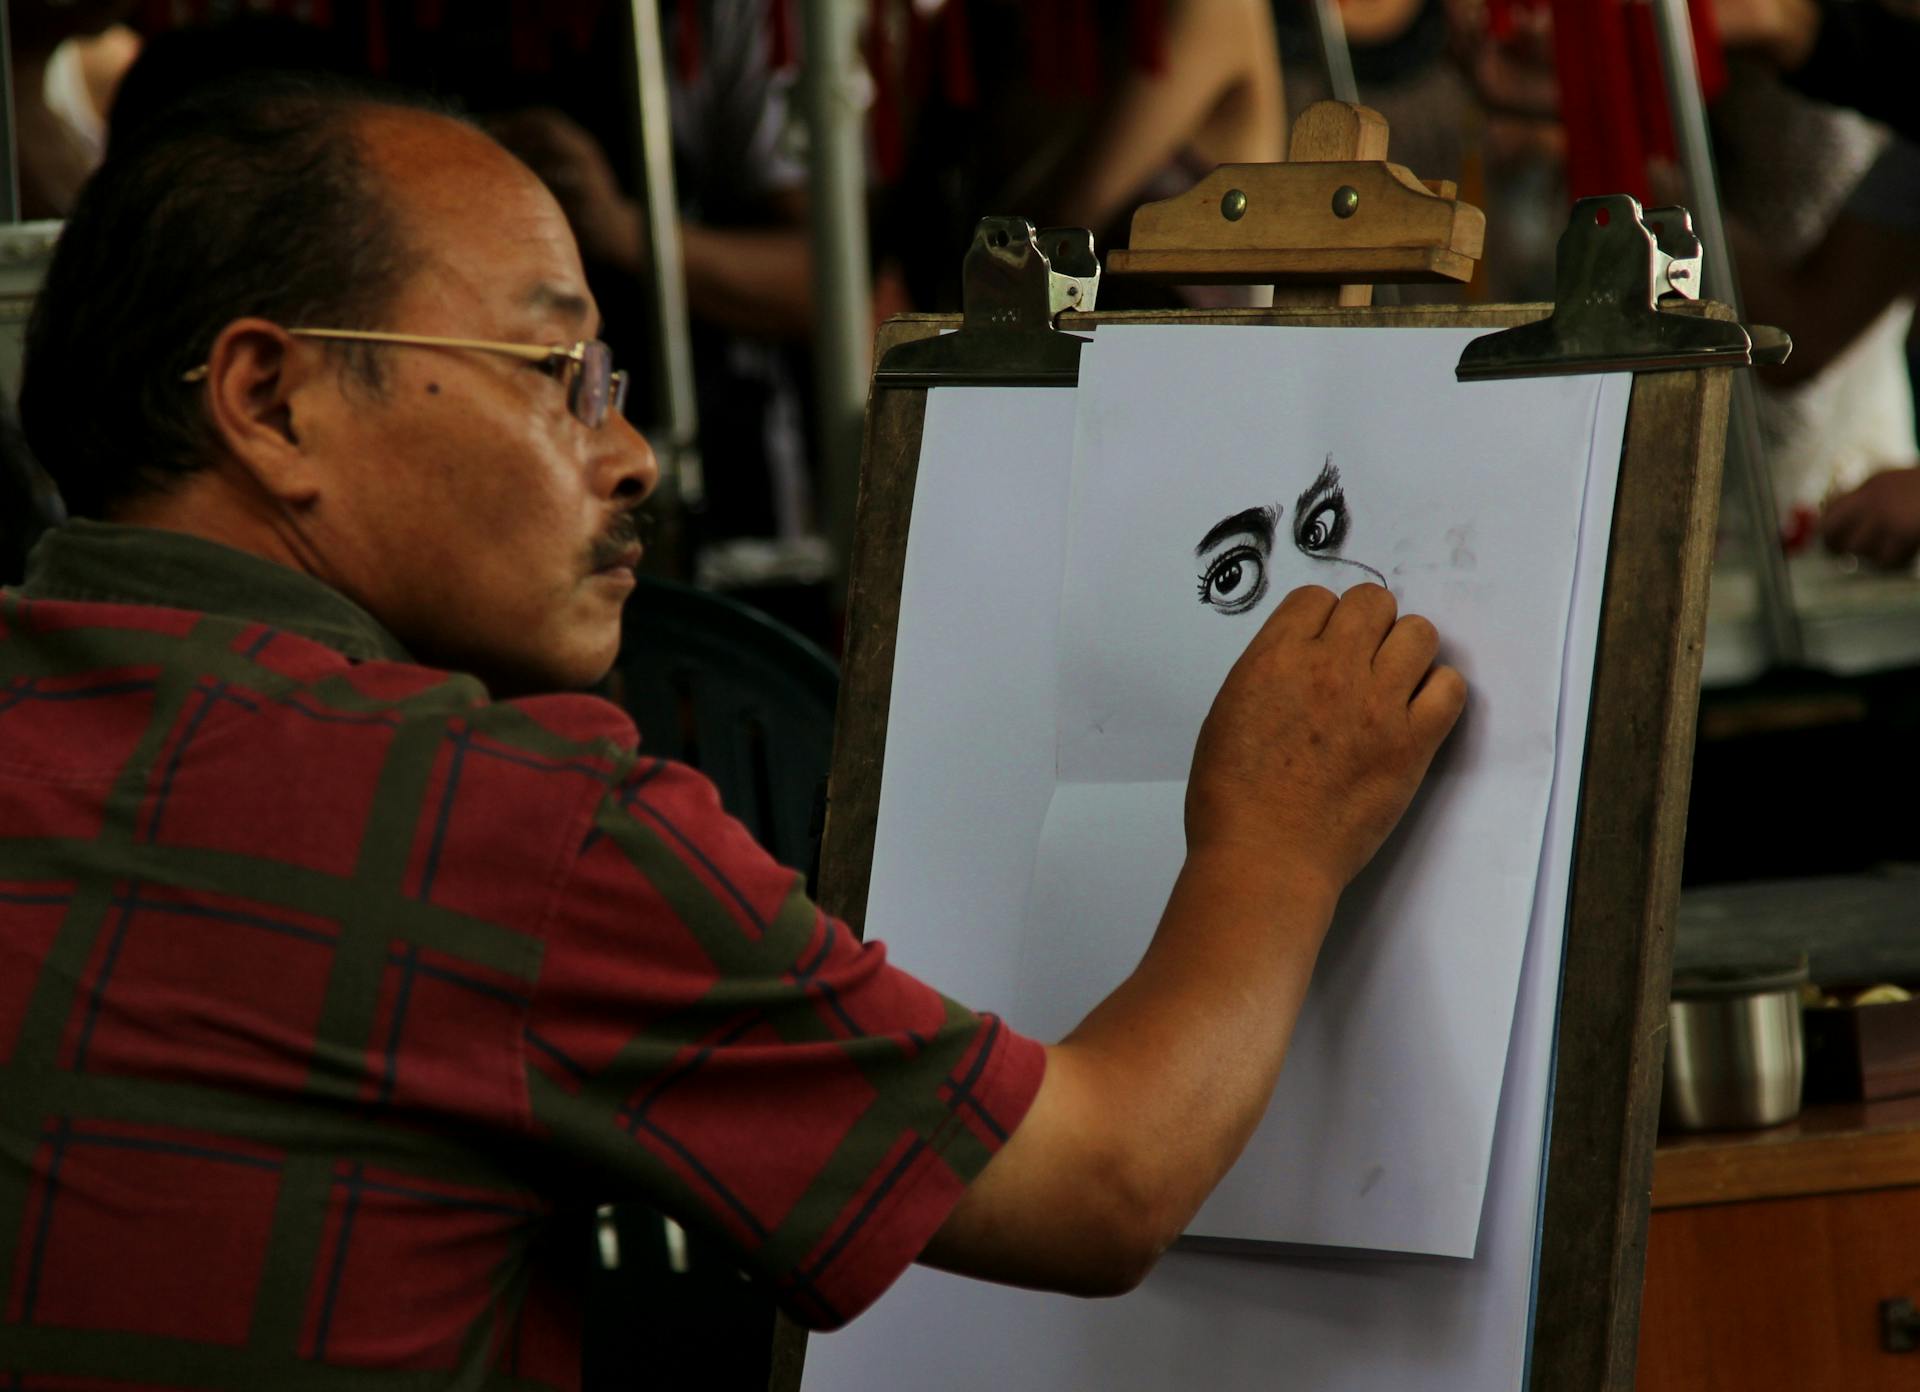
(1463, 101)
(67, 59)
(1853, 53)
(983, 106)
(1846, 296)
(1821, 210)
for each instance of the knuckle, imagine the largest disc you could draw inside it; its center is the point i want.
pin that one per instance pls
(1317, 596)
(1421, 627)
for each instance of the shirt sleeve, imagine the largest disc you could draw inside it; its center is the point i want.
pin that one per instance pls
(704, 1036)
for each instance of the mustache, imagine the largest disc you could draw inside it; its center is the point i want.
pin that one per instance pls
(627, 530)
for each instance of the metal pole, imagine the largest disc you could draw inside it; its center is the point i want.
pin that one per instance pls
(1334, 52)
(9, 153)
(843, 336)
(1746, 455)
(678, 428)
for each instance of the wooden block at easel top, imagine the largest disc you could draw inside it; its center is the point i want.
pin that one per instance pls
(1322, 228)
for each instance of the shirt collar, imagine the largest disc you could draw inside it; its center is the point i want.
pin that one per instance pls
(111, 563)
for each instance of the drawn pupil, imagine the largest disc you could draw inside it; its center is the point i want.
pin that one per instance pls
(1234, 581)
(1319, 528)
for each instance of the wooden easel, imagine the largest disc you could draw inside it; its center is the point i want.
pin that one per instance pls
(1626, 879)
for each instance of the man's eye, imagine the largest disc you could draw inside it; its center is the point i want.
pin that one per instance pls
(1324, 527)
(1235, 581)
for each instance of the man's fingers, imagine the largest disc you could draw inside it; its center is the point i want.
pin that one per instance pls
(1436, 706)
(1303, 613)
(1363, 617)
(1407, 652)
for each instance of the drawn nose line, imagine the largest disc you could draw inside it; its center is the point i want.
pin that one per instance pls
(1378, 578)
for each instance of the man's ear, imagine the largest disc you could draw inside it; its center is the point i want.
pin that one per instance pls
(255, 374)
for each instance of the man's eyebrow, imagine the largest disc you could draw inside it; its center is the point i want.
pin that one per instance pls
(1257, 522)
(552, 299)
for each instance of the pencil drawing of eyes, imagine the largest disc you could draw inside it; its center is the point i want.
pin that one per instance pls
(1321, 520)
(1235, 551)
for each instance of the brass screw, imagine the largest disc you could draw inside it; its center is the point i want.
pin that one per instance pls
(1346, 201)
(1233, 205)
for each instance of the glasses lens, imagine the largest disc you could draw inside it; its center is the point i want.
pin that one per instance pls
(591, 384)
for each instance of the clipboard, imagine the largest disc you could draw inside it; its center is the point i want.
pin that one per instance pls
(1616, 262)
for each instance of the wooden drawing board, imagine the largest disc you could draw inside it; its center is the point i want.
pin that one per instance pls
(1611, 1029)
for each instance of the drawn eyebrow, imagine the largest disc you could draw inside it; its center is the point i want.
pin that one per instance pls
(1328, 481)
(1256, 522)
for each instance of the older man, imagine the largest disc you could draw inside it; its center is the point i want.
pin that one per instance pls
(331, 979)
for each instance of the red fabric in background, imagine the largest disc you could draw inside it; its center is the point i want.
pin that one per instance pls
(1148, 34)
(686, 43)
(781, 51)
(889, 133)
(379, 56)
(957, 80)
(533, 24)
(1613, 94)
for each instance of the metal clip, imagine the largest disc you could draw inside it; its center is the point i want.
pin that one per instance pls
(1014, 283)
(1676, 252)
(1614, 263)
(1073, 268)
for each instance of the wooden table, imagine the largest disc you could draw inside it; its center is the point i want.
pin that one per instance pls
(1770, 1252)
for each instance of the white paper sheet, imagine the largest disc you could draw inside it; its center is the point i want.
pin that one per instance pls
(970, 723)
(1227, 1322)
(1366, 461)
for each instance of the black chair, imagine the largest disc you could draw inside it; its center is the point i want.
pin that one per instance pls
(28, 503)
(750, 703)
(738, 695)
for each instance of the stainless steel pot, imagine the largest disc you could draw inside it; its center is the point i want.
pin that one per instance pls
(1734, 1054)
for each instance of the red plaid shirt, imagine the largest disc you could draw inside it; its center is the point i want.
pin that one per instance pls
(330, 989)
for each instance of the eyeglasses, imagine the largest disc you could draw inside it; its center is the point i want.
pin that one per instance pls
(594, 389)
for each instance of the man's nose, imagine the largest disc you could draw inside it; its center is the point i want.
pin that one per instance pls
(632, 471)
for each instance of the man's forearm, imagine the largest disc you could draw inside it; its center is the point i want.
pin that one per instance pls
(1208, 1015)
(1192, 1041)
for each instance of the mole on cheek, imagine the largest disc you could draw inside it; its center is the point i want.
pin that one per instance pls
(433, 389)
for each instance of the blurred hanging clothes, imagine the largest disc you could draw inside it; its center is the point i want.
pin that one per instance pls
(1613, 92)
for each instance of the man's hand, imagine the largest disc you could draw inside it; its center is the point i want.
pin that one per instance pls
(1323, 730)
(1879, 521)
